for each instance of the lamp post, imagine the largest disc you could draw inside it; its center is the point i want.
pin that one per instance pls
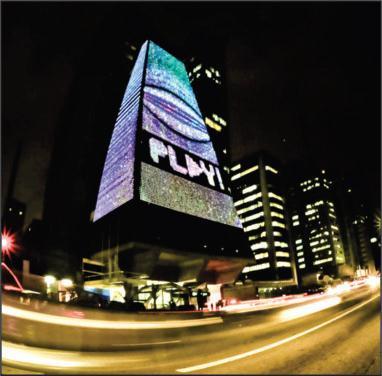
(49, 281)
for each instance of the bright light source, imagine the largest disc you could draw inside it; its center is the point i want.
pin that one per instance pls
(373, 240)
(8, 242)
(4, 242)
(66, 282)
(373, 282)
(49, 279)
(308, 309)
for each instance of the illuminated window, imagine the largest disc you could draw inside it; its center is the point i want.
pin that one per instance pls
(283, 263)
(330, 203)
(254, 216)
(269, 168)
(302, 266)
(296, 223)
(236, 167)
(208, 73)
(320, 248)
(299, 247)
(277, 233)
(278, 215)
(281, 244)
(252, 197)
(300, 260)
(323, 261)
(254, 226)
(212, 124)
(249, 208)
(334, 227)
(298, 241)
(249, 189)
(245, 172)
(295, 217)
(197, 68)
(314, 243)
(300, 254)
(282, 254)
(275, 196)
(278, 224)
(332, 216)
(261, 245)
(260, 256)
(248, 269)
(309, 212)
(274, 205)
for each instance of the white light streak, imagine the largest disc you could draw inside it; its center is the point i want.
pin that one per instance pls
(272, 345)
(104, 324)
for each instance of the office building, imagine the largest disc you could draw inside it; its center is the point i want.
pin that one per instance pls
(207, 80)
(257, 189)
(365, 242)
(315, 227)
(163, 211)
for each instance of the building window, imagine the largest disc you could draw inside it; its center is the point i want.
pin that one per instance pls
(260, 256)
(245, 172)
(248, 269)
(283, 263)
(236, 167)
(269, 168)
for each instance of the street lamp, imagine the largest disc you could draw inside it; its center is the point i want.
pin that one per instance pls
(66, 282)
(49, 280)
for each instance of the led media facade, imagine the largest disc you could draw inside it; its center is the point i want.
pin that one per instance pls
(179, 169)
(117, 180)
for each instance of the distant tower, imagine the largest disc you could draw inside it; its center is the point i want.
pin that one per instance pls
(260, 203)
(315, 227)
(207, 80)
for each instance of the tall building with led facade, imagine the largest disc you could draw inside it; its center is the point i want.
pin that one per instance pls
(208, 83)
(315, 227)
(257, 189)
(163, 207)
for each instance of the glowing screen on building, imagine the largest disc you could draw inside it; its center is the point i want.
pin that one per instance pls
(179, 169)
(117, 181)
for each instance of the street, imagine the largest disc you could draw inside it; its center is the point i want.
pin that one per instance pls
(341, 337)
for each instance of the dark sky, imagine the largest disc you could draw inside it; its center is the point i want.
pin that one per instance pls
(305, 73)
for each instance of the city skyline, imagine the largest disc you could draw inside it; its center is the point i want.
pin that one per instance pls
(191, 187)
(321, 122)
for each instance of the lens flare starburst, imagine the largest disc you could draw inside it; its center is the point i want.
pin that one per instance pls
(8, 243)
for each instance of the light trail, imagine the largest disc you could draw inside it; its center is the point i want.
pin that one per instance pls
(274, 344)
(147, 343)
(308, 309)
(106, 324)
(267, 304)
(21, 356)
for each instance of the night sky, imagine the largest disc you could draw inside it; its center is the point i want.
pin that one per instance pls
(303, 79)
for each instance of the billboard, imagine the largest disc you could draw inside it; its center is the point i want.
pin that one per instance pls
(178, 167)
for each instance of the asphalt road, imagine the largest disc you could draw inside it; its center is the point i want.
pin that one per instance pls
(341, 339)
